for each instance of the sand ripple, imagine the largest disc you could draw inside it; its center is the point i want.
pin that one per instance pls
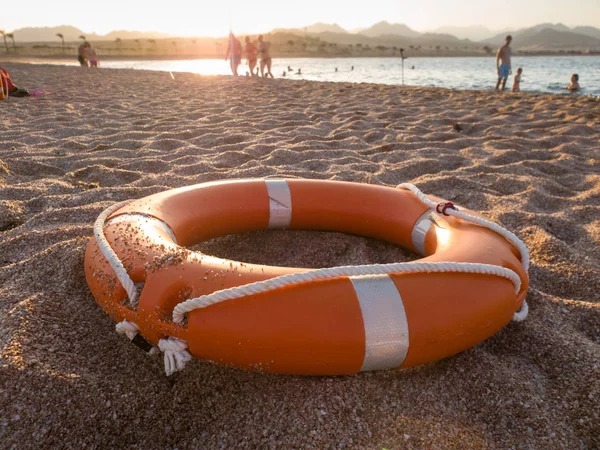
(528, 161)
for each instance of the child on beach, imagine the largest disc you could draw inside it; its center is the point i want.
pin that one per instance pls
(516, 87)
(93, 58)
(574, 84)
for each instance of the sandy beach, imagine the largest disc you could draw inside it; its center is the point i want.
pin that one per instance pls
(67, 380)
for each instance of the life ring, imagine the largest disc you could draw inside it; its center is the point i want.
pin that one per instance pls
(471, 282)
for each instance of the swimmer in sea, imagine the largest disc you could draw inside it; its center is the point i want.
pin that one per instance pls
(574, 84)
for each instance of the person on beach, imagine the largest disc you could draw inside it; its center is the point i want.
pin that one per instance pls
(265, 57)
(251, 52)
(516, 87)
(235, 53)
(82, 54)
(574, 84)
(92, 57)
(503, 63)
(9, 87)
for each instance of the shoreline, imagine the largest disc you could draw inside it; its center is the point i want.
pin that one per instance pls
(49, 62)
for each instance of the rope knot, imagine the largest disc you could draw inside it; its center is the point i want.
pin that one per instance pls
(127, 328)
(441, 208)
(522, 313)
(176, 354)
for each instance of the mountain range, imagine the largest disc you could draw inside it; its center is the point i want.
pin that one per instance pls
(70, 33)
(542, 37)
(545, 36)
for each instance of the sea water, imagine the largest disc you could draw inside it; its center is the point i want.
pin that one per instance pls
(540, 73)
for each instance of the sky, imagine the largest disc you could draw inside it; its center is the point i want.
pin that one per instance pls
(212, 18)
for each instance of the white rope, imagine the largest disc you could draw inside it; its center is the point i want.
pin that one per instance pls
(520, 315)
(130, 329)
(335, 272)
(509, 236)
(176, 354)
(110, 254)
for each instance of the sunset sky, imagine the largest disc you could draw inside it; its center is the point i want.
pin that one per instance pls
(211, 18)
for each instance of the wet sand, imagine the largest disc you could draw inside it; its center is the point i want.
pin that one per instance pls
(67, 380)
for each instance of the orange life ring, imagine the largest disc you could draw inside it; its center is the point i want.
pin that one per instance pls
(340, 325)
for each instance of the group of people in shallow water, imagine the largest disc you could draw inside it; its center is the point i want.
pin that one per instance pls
(255, 53)
(86, 55)
(503, 66)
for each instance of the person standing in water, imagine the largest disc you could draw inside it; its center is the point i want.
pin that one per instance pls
(503, 62)
(250, 54)
(234, 49)
(265, 57)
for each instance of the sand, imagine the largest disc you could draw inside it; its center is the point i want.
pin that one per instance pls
(67, 380)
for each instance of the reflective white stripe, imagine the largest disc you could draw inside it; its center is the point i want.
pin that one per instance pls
(280, 203)
(386, 327)
(420, 230)
(144, 219)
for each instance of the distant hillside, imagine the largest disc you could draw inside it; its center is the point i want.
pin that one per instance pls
(386, 28)
(320, 27)
(126, 34)
(587, 31)
(474, 33)
(526, 32)
(43, 34)
(70, 33)
(438, 37)
(557, 40)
